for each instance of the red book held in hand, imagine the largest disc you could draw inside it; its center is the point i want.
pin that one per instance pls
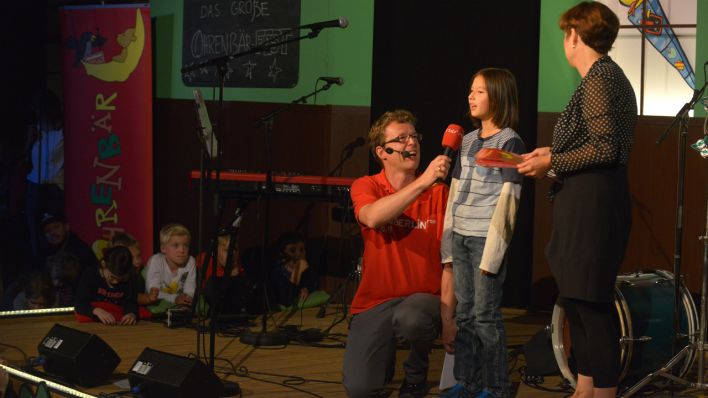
(492, 157)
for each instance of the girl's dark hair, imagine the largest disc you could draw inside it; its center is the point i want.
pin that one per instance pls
(119, 261)
(503, 97)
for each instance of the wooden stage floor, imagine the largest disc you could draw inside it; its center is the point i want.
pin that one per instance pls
(293, 371)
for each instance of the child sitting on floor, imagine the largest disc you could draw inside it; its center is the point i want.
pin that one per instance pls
(104, 293)
(237, 293)
(138, 279)
(294, 281)
(63, 267)
(37, 294)
(171, 274)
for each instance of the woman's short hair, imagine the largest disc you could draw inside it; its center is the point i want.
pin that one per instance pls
(594, 22)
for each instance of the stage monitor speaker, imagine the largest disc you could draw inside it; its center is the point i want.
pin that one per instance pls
(160, 374)
(78, 357)
(538, 351)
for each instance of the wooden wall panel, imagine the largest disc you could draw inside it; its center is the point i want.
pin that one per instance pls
(306, 140)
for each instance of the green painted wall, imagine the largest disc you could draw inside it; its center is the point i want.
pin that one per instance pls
(701, 49)
(557, 80)
(336, 52)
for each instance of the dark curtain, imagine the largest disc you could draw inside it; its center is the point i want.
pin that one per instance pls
(424, 56)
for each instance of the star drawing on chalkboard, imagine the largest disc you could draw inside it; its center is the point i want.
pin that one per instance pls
(274, 69)
(249, 69)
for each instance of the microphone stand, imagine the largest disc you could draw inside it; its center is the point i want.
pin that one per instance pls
(264, 337)
(221, 64)
(687, 351)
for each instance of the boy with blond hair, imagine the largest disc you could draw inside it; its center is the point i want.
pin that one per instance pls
(172, 272)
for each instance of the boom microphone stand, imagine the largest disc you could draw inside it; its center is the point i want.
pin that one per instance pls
(264, 337)
(694, 344)
(221, 64)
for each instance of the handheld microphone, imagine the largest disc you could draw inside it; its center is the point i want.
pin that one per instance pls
(405, 154)
(334, 23)
(332, 80)
(452, 139)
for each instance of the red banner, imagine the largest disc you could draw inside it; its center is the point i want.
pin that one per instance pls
(108, 122)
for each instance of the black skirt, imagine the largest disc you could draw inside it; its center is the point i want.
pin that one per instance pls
(591, 222)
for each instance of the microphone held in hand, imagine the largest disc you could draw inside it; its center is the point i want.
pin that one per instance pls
(405, 154)
(334, 23)
(452, 139)
(332, 80)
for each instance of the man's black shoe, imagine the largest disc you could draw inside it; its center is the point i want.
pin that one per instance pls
(413, 390)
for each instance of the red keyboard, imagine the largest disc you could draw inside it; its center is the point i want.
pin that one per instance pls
(332, 189)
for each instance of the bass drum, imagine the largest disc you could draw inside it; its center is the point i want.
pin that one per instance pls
(644, 317)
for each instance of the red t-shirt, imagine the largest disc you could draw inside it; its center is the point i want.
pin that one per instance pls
(402, 257)
(219, 270)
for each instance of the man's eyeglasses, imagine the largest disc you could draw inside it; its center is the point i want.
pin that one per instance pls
(403, 138)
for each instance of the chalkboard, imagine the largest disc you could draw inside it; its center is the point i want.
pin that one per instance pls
(214, 28)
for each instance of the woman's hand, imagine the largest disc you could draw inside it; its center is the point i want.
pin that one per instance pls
(536, 164)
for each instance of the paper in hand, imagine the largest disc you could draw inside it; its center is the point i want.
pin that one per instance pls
(493, 157)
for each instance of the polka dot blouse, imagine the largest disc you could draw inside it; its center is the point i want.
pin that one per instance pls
(597, 126)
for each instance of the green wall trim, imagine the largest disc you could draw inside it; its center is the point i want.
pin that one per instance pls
(556, 79)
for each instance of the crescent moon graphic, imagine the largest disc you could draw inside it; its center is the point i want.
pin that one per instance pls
(114, 71)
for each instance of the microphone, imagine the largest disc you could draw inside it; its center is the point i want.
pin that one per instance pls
(452, 139)
(332, 80)
(335, 23)
(405, 154)
(238, 217)
(354, 144)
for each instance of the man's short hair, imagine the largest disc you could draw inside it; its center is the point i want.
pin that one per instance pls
(377, 134)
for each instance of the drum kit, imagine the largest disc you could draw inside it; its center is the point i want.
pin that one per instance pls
(644, 303)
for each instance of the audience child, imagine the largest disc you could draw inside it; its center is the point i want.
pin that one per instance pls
(292, 277)
(235, 293)
(104, 293)
(171, 274)
(37, 294)
(138, 279)
(63, 268)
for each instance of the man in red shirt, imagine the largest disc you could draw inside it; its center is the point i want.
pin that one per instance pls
(405, 292)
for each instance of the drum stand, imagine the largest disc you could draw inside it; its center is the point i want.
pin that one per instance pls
(695, 345)
(698, 345)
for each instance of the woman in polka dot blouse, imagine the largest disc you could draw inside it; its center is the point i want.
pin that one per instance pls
(591, 210)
